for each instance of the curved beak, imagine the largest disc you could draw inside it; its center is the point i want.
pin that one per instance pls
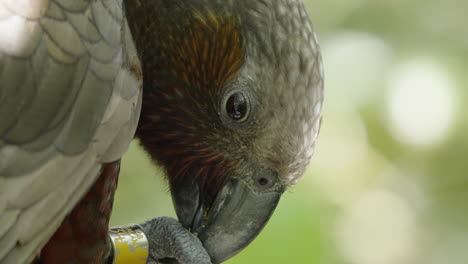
(239, 212)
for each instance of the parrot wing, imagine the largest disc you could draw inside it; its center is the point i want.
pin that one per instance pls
(70, 96)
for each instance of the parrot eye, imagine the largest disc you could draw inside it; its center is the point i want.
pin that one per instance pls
(263, 181)
(237, 106)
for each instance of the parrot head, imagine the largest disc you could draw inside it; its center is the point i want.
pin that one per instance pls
(231, 110)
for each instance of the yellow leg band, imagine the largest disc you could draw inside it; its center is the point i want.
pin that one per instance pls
(130, 245)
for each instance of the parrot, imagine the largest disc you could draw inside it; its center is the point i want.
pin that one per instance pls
(225, 95)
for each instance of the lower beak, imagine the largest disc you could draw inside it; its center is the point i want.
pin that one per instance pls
(239, 212)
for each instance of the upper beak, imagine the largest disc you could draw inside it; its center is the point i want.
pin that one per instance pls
(239, 212)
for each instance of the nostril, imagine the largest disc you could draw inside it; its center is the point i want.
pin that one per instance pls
(266, 179)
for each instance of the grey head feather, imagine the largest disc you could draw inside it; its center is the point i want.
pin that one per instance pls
(284, 68)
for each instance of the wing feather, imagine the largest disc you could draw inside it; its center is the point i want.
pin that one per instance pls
(69, 101)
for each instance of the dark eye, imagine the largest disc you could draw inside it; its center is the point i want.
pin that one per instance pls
(263, 181)
(236, 106)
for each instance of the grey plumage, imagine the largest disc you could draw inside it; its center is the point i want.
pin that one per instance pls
(69, 101)
(285, 68)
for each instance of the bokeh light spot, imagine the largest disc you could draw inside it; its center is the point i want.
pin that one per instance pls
(343, 148)
(378, 228)
(420, 103)
(355, 62)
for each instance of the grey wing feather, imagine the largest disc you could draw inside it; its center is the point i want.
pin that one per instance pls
(69, 101)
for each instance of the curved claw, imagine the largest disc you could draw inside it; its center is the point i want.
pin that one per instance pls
(167, 238)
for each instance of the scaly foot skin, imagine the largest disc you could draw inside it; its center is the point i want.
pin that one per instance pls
(167, 238)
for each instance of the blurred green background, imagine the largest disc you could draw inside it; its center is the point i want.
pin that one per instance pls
(388, 183)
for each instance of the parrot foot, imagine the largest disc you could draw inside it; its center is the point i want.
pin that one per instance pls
(168, 239)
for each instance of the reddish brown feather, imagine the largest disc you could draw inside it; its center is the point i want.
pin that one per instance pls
(185, 75)
(83, 235)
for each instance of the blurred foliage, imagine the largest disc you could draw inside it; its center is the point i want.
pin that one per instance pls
(370, 196)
